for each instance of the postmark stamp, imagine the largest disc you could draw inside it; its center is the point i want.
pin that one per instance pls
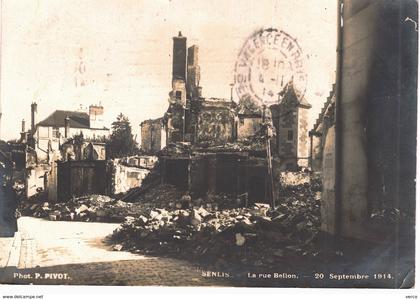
(267, 61)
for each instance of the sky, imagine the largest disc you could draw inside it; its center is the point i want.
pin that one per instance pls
(69, 54)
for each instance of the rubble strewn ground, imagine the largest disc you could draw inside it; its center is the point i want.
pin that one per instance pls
(204, 231)
(211, 230)
(216, 229)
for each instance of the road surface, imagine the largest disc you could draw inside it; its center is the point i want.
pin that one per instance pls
(60, 252)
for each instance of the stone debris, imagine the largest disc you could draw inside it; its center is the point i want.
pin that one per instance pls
(117, 247)
(294, 178)
(229, 235)
(213, 228)
(19, 187)
(240, 240)
(251, 144)
(87, 208)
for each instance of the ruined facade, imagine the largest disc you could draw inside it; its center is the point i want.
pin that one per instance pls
(248, 125)
(223, 147)
(129, 172)
(197, 119)
(86, 150)
(193, 72)
(77, 178)
(181, 119)
(153, 135)
(215, 121)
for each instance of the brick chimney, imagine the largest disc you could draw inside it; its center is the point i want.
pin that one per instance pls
(67, 127)
(23, 134)
(34, 110)
(96, 116)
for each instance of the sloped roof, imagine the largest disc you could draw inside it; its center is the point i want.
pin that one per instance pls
(289, 92)
(56, 119)
(330, 100)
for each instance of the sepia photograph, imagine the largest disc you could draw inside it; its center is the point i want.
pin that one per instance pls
(208, 143)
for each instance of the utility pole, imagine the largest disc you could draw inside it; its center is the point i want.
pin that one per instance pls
(267, 136)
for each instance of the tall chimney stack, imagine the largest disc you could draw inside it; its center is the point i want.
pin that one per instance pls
(34, 110)
(67, 127)
(179, 58)
(23, 134)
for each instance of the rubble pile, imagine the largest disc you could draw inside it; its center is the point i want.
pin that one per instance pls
(154, 195)
(251, 144)
(246, 145)
(299, 187)
(150, 181)
(18, 187)
(87, 208)
(169, 197)
(176, 149)
(257, 235)
(288, 178)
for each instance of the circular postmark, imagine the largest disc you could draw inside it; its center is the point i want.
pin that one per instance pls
(267, 62)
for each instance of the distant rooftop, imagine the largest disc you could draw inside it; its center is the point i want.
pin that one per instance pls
(77, 119)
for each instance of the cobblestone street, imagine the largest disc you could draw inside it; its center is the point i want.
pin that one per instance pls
(75, 253)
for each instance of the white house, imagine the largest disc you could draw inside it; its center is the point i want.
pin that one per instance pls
(61, 125)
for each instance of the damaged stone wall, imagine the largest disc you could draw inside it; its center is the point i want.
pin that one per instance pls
(77, 178)
(193, 71)
(215, 122)
(232, 173)
(36, 179)
(174, 122)
(248, 126)
(85, 151)
(139, 161)
(256, 181)
(176, 171)
(129, 172)
(199, 172)
(153, 136)
(126, 177)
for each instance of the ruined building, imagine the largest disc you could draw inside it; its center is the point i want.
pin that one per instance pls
(196, 119)
(180, 120)
(216, 145)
